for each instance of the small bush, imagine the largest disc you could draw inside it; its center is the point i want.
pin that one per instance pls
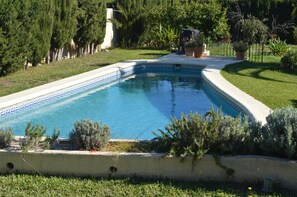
(90, 136)
(195, 135)
(280, 133)
(295, 35)
(289, 61)
(278, 47)
(33, 138)
(240, 46)
(6, 136)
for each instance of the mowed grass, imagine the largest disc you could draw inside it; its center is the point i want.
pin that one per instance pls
(265, 81)
(35, 76)
(32, 185)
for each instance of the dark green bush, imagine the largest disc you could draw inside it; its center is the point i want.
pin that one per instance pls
(89, 136)
(280, 133)
(289, 61)
(6, 137)
(294, 35)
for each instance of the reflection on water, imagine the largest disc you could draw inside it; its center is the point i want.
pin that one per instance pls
(133, 108)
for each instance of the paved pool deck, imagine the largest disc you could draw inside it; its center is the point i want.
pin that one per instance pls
(211, 73)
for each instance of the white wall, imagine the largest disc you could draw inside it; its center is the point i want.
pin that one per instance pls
(110, 35)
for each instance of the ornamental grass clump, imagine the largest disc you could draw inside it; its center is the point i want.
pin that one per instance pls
(6, 136)
(89, 136)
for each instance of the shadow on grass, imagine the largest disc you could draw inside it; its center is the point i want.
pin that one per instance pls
(154, 54)
(101, 65)
(237, 68)
(294, 103)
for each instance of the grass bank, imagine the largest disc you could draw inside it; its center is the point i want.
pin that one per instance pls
(30, 185)
(35, 76)
(264, 81)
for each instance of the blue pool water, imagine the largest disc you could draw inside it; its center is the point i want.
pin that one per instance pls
(133, 107)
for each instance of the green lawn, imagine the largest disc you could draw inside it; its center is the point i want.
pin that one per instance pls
(43, 74)
(264, 81)
(28, 185)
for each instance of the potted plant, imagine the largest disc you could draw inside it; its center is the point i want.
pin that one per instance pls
(199, 48)
(190, 48)
(240, 48)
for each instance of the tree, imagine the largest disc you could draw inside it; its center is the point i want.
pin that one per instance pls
(40, 28)
(64, 27)
(13, 35)
(91, 22)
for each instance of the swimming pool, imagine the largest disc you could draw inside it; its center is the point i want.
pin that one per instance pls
(133, 103)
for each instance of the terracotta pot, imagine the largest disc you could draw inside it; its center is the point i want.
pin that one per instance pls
(240, 55)
(199, 52)
(189, 52)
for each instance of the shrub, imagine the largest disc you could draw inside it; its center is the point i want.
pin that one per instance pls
(6, 137)
(240, 46)
(289, 60)
(185, 136)
(295, 35)
(89, 136)
(52, 142)
(280, 133)
(34, 135)
(278, 47)
(194, 135)
(231, 135)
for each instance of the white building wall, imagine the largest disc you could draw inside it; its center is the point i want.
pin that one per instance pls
(110, 35)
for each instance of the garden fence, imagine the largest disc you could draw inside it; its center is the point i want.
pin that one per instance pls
(255, 53)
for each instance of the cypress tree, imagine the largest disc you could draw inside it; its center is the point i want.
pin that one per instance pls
(91, 25)
(64, 27)
(13, 35)
(41, 18)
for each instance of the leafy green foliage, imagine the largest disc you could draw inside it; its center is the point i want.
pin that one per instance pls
(280, 133)
(90, 136)
(6, 136)
(254, 30)
(143, 20)
(278, 47)
(294, 35)
(289, 60)
(240, 46)
(194, 135)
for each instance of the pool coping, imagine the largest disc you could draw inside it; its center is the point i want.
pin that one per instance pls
(210, 73)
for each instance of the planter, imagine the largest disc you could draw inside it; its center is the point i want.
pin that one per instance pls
(240, 55)
(104, 164)
(189, 52)
(199, 52)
